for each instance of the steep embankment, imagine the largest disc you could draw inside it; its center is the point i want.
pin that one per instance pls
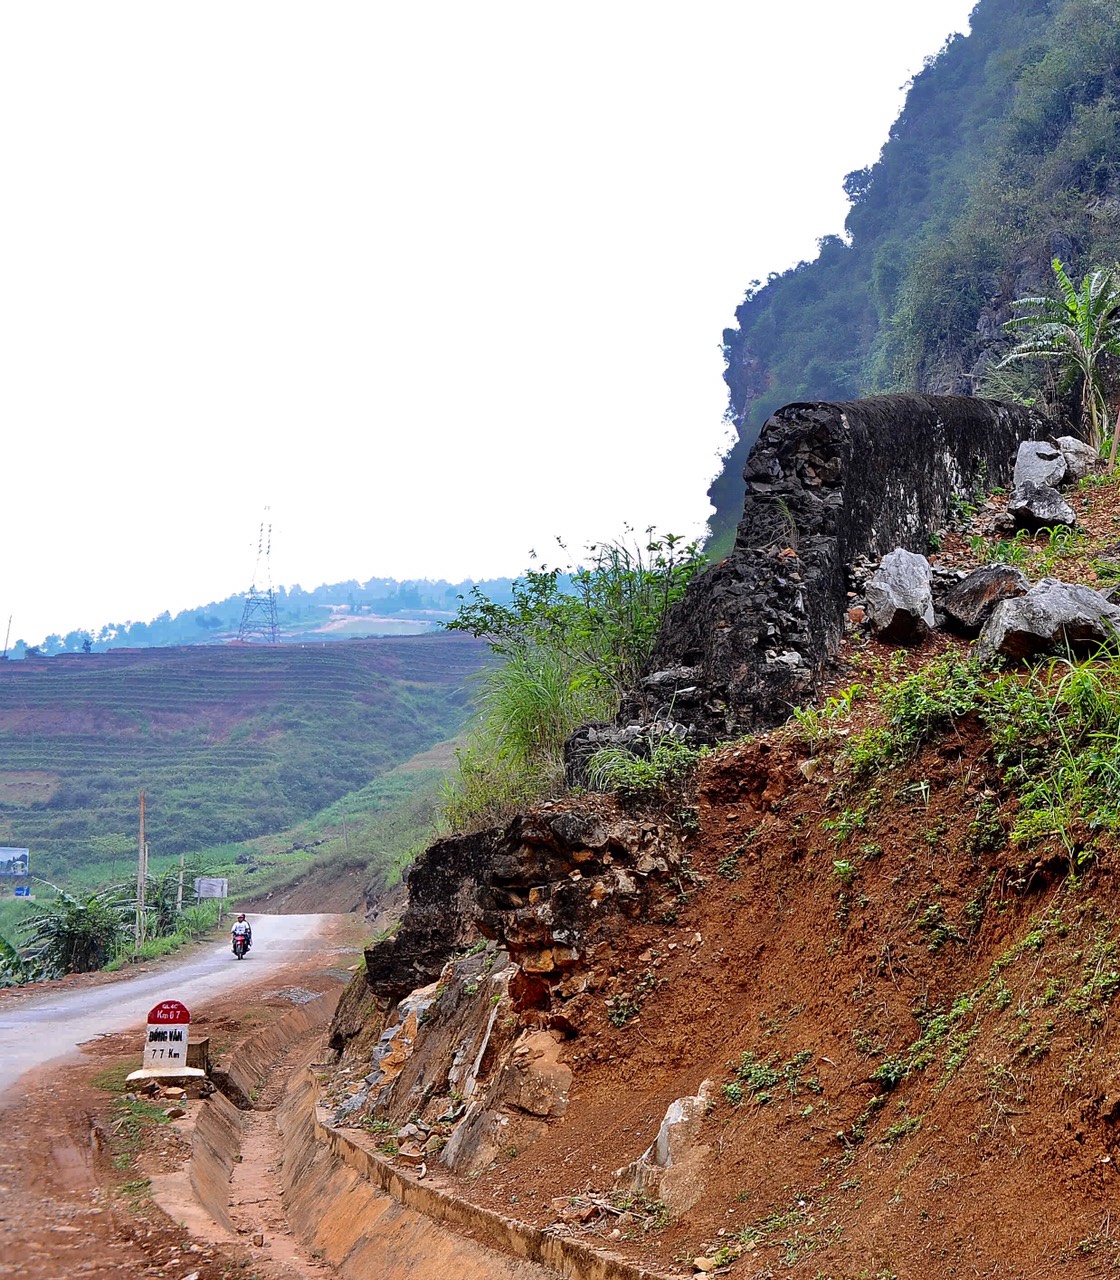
(227, 742)
(842, 1006)
(903, 1016)
(1004, 155)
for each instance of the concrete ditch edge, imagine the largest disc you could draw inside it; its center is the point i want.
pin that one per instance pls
(347, 1202)
(215, 1134)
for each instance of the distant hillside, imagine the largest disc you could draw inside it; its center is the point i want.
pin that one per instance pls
(1006, 153)
(331, 611)
(226, 742)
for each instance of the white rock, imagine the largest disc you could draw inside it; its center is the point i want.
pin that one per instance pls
(1039, 462)
(900, 597)
(1081, 459)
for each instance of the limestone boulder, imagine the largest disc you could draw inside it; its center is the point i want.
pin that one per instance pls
(1050, 618)
(530, 1088)
(826, 484)
(900, 598)
(1037, 506)
(1081, 459)
(1039, 462)
(672, 1168)
(969, 603)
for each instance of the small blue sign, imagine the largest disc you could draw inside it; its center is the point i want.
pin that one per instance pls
(23, 891)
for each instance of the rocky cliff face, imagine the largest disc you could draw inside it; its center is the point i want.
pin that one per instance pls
(548, 888)
(501, 957)
(826, 485)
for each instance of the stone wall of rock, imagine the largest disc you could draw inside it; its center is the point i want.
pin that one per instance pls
(441, 916)
(826, 485)
(542, 888)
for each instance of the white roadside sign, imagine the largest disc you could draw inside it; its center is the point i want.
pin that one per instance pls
(211, 887)
(169, 1029)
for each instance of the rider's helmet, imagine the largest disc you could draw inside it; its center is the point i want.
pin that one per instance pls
(241, 916)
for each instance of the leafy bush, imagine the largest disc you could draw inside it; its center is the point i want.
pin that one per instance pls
(572, 641)
(1079, 331)
(76, 934)
(636, 778)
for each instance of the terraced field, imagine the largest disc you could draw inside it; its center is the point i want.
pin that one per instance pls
(227, 742)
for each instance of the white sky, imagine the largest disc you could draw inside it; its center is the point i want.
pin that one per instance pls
(435, 282)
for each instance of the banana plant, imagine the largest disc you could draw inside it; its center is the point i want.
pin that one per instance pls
(1078, 330)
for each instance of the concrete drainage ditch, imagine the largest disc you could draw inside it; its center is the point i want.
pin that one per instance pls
(347, 1209)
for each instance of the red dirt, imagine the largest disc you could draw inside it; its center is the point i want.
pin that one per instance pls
(998, 1158)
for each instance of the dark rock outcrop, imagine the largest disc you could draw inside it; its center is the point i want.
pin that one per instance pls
(826, 484)
(441, 917)
(1038, 506)
(541, 888)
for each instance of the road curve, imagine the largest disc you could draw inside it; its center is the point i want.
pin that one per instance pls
(44, 1028)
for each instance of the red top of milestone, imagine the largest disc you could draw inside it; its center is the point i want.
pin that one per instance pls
(169, 1011)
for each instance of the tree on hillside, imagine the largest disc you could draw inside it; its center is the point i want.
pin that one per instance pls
(572, 641)
(1079, 330)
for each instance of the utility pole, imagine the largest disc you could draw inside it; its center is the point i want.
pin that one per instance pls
(141, 875)
(179, 898)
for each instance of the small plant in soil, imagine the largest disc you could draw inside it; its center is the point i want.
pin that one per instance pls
(728, 866)
(757, 1078)
(901, 1129)
(865, 1043)
(844, 871)
(935, 925)
(688, 819)
(651, 1213)
(628, 1004)
(377, 1126)
(136, 1191)
(845, 823)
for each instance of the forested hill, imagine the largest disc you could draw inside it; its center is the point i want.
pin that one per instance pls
(1006, 153)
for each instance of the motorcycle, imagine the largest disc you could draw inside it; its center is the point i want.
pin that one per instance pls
(241, 944)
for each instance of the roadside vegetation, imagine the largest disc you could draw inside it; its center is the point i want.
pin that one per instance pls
(84, 924)
(1054, 733)
(101, 929)
(570, 643)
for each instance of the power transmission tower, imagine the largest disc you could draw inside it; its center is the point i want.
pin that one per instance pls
(258, 618)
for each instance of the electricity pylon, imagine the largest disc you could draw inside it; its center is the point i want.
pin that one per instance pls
(258, 618)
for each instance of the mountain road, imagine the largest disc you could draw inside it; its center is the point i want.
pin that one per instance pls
(50, 1026)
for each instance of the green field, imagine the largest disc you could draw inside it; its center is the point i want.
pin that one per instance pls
(228, 743)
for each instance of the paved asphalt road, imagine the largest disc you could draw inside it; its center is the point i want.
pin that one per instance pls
(42, 1028)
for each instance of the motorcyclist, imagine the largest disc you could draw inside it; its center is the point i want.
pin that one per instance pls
(241, 927)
